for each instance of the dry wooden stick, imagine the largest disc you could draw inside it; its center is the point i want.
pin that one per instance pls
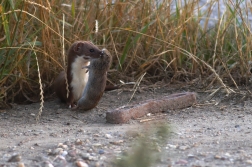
(171, 102)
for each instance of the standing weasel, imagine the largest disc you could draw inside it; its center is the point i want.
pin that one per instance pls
(96, 81)
(78, 56)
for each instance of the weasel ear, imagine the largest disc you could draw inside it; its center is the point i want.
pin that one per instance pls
(77, 47)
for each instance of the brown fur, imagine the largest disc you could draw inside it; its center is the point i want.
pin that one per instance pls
(78, 56)
(96, 82)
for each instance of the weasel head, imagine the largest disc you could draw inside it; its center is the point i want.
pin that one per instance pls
(85, 50)
(102, 63)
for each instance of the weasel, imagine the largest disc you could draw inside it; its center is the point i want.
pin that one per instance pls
(79, 55)
(96, 81)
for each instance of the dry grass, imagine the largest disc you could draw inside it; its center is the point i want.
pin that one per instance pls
(165, 42)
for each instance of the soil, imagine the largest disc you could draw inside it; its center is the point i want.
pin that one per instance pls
(213, 132)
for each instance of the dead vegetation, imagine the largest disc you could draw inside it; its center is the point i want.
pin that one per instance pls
(168, 41)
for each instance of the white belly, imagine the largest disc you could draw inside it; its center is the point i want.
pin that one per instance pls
(79, 77)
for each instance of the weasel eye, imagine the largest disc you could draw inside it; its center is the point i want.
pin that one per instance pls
(91, 50)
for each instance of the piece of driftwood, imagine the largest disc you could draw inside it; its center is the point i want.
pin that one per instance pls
(175, 101)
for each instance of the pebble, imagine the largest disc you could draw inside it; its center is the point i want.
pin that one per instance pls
(72, 153)
(182, 162)
(64, 146)
(80, 163)
(93, 158)
(171, 146)
(85, 156)
(60, 161)
(97, 144)
(217, 157)
(183, 147)
(78, 142)
(101, 152)
(249, 161)
(237, 126)
(103, 157)
(190, 156)
(108, 136)
(118, 143)
(15, 158)
(47, 164)
(96, 135)
(21, 164)
(57, 151)
(64, 153)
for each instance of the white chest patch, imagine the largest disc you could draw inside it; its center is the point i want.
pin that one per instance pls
(80, 77)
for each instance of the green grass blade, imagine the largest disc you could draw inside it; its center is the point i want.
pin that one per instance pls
(130, 43)
(73, 9)
(5, 25)
(12, 8)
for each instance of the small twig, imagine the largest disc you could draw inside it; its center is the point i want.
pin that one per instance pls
(147, 120)
(136, 86)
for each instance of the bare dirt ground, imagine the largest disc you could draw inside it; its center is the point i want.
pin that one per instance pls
(216, 132)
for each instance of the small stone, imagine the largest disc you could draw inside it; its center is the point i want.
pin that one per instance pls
(60, 161)
(21, 164)
(87, 141)
(249, 161)
(96, 135)
(171, 146)
(15, 158)
(57, 151)
(101, 152)
(72, 153)
(241, 151)
(61, 145)
(103, 157)
(217, 157)
(118, 143)
(237, 126)
(90, 150)
(64, 153)
(80, 163)
(47, 164)
(78, 142)
(182, 162)
(183, 147)
(67, 143)
(32, 148)
(85, 156)
(93, 158)
(190, 156)
(97, 144)
(108, 136)
(227, 154)
(32, 114)
(97, 164)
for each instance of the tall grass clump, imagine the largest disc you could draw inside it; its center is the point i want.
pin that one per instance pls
(169, 40)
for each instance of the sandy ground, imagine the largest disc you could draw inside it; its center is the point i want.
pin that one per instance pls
(216, 132)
